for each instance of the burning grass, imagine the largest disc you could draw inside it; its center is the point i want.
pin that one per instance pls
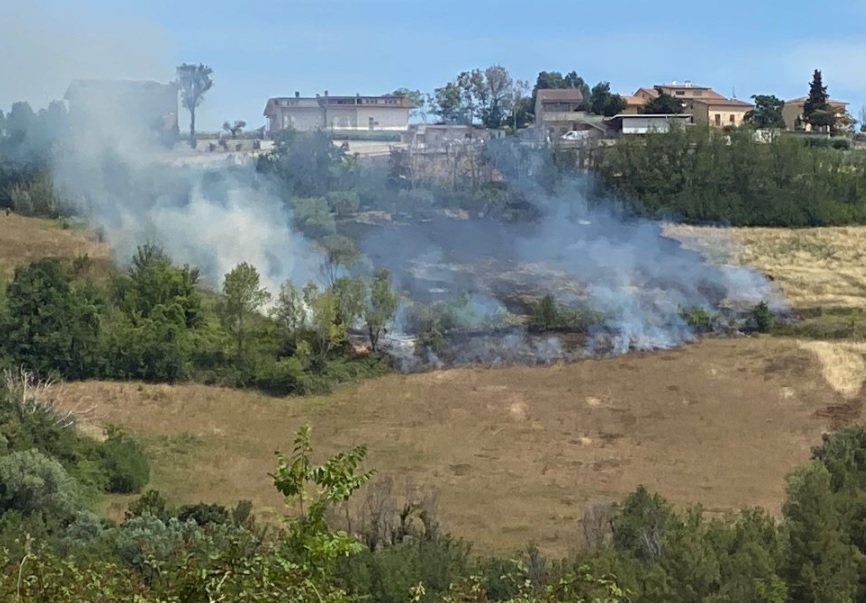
(513, 454)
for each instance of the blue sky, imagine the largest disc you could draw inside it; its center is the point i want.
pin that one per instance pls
(262, 49)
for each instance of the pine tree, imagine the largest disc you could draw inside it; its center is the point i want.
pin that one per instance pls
(816, 110)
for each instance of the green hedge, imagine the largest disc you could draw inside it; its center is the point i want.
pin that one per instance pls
(368, 135)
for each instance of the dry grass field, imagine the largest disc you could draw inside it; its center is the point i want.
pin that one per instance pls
(514, 454)
(814, 266)
(25, 239)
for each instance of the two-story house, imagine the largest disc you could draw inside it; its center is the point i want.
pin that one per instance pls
(304, 113)
(558, 111)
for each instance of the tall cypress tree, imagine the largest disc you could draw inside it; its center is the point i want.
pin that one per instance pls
(817, 110)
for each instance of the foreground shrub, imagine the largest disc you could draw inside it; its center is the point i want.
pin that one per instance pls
(31, 482)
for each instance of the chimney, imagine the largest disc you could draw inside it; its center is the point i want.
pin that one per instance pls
(688, 83)
(326, 93)
(297, 94)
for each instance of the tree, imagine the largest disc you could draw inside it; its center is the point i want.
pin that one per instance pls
(324, 316)
(822, 564)
(482, 95)
(493, 91)
(862, 118)
(419, 102)
(194, 82)
(603, 102)
(340, 254)
(52, 324)
(380, 307)
(816, 110)
(767, 113)
(350, 295)
(290, 313)
(448, 103)
(152, 281)
(316, 489)
(519, 103)
(235, 128)
(242, 297)
(663, 104)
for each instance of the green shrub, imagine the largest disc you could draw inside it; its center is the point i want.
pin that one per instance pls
(696, 317)
(31, 482)
(763, 317)
(125, 464)
(150, 503)
(203, 514)
(369, 135)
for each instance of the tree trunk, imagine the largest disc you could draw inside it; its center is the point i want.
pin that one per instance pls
(192, 126)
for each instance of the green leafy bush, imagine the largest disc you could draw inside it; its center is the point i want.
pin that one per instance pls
(125, 464)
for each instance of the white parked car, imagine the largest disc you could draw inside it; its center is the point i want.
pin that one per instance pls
(576, 135)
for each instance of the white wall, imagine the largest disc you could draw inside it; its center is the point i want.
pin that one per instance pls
(643, 125)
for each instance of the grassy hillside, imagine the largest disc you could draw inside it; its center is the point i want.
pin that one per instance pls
(514, 454)
(26, 239)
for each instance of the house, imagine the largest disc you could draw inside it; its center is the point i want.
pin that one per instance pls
(792, 112)
(644, 123)
(558, 111)
(144, 105)
(635, 102)
(706, 106)
(441, 136)
(718, 112)
(304, 113)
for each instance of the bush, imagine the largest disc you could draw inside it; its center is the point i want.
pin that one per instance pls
(763, 317)
(697, 318)
(36, 198)
(203, 514)
(374, 135)
(126, 467)
(31, 482)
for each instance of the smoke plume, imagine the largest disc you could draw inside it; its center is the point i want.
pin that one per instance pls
(594, 257)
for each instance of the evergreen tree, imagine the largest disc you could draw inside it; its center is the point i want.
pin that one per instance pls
(816, 110)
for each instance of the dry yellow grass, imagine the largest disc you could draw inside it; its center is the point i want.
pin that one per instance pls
(813, 266)
(513, 454)
(26, 239)
(843, 364)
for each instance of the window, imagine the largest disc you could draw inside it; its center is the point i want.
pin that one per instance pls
(680, 92)
(718, 119)
(732, 119)
(698, 93)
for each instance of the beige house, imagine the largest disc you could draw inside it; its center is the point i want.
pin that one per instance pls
(792, 112)
(338, 112)
(718, 112)
(706, 106)
(635, 102)
(558, 111)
